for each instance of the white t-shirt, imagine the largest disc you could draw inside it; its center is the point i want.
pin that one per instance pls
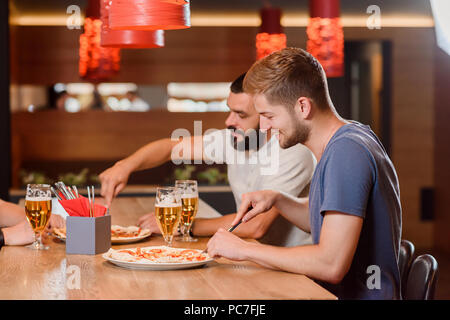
(271, 167)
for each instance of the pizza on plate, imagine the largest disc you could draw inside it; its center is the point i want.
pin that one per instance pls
(160, 254)
(117, 232)
(60, 232)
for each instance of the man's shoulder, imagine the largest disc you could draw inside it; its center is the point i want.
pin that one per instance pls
(347, 148)
(297, 153)
(355, 135)
(352, 145)
(213, 136)
(214, 132)
(348, 155)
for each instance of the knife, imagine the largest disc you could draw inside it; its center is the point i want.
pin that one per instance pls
(231, 229)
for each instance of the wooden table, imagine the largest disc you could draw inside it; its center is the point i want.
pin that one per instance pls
(28, 274)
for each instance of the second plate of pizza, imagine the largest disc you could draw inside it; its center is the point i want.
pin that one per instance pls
(129, 234)
(119, 234)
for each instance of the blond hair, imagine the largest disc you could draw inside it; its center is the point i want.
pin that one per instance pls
(286, 75)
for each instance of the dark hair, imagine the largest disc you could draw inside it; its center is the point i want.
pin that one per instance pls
(237, 85)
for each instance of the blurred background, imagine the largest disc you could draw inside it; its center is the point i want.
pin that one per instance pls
(60, 124)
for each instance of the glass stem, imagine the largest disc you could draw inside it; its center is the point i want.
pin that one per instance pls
(185, 232)
(37, 239)
(169, 239)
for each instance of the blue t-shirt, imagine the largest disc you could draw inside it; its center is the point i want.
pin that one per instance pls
(355, 176)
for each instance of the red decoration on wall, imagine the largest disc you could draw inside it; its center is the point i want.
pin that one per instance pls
(149, 15)
(326, 36)
(270, 37)
(96, 63)
(127, 38)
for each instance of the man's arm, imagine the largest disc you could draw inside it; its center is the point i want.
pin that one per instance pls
(10, 214)
(114, 179)
(293, 209)
(255, 229)
(18, 234)
(329, 260)
(15, 227)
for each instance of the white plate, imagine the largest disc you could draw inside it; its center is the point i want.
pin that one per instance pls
(154, 265)
(130, 239)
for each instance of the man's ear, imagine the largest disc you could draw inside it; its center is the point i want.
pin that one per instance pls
(304, 107)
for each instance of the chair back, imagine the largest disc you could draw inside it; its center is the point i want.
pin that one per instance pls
(422, 278)
(404, 262)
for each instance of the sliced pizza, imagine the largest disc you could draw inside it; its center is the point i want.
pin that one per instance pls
(118, 233)
(161, 254)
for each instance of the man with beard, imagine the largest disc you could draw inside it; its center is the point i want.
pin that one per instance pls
(253, 163)
(353, 211)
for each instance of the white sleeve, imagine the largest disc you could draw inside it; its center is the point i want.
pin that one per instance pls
(296, 168)
(216, 146)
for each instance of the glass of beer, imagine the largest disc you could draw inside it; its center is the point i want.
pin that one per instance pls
(189, 200)
(168, 211)
(38, 209)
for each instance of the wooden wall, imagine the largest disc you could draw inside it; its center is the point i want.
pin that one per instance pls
(98, 135)
(46, 55)
(95, 136)
(49, 55)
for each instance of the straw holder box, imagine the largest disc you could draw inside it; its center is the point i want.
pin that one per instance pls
(85, 235)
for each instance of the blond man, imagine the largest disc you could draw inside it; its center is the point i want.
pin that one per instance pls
(353, 210)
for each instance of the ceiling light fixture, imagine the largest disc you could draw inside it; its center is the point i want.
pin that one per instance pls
(127, 38)
(326, 36)
(96, 63)
(149, 15)
(271, 37)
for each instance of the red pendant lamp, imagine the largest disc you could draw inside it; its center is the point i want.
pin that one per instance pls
(127, 38)
(270, 37)
(96, 63)
(149, 15)
(326, 36)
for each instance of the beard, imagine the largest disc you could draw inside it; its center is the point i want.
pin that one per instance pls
(246, 142)
(300, 135)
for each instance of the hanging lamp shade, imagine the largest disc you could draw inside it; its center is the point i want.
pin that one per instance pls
(127, 38)
(96, 63)
(270, 37)
(149, 15)
(326, 36)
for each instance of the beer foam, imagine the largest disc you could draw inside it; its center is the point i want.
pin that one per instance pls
(169, 200)
(28, 198)
(189, 195)
(168, 205)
